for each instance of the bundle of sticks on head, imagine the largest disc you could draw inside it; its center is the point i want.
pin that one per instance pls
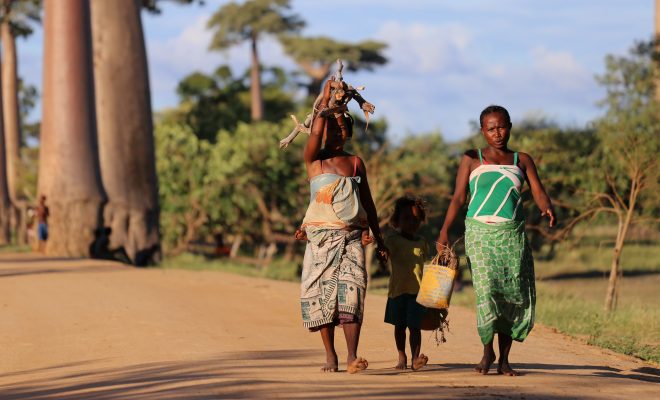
(340, 94)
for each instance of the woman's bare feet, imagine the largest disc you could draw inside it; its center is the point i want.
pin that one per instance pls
(419, 362)
(331, 363)
(356, 365)
(484, 366)
(403, 362)
(503, 368)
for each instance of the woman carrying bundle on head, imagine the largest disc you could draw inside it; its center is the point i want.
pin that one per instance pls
(340, 213)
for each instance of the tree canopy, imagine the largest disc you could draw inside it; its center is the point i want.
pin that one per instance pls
(234, 23)
(316, 55)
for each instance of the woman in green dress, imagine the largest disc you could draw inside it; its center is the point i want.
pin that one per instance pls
(498, 253)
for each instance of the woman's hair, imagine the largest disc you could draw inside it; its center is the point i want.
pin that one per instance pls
(407, 201)
(494, 109)
(348, 120)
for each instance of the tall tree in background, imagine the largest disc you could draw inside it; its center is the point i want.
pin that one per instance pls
(626, 172)
(656, 37)
(16, 18)
(69, 170)
(316, 56)
(125, 129)
(5, 203)
(235, 23)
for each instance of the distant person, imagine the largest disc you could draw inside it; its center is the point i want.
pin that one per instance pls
(334, 276)
(30, 226)
(496, 245)
(408, 251)
(42, 213)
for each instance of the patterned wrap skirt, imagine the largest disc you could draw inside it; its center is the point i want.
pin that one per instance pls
(502, 267)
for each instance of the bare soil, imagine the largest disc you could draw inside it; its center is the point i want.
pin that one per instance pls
(82, 329)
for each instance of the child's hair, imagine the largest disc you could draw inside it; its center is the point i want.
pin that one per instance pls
(407, 201)
(494, 109)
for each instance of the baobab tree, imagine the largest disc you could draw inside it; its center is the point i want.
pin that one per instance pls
(125, 128)
(15, 20)
(69, 170)
(5, 203)
(235, 23)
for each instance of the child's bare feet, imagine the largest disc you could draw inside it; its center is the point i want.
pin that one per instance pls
(419, 362)
(357, 365)
(331, 363)
(486, 362)
(403, 362)
(503, 368)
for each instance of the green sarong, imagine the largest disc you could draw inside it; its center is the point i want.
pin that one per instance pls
(502, 268)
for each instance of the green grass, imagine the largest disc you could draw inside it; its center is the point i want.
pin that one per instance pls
(278, 269)
(14, 248)
(576, 308)
(591, 258)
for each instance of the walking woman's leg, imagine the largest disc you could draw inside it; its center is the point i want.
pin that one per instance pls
(352, 334)
(503, 367)
(328, 336)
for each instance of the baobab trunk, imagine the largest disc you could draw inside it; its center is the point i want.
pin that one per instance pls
(10, 106)
(68, 170)
(257, 108)
(5, 203)
(125, 129)
(656, 36)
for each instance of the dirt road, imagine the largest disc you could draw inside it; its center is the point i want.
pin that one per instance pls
(86, 329)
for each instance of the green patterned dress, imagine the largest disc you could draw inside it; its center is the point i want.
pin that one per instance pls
(498, 253)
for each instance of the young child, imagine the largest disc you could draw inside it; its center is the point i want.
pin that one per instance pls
(496, 246)
(408, 251)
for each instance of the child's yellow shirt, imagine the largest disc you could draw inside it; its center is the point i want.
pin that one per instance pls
(407, 259)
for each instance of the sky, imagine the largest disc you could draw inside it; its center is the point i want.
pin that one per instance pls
(447, 59)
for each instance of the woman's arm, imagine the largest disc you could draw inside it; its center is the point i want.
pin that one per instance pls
(315, 140)
(457, 200)
(539, 194)
(372, 216)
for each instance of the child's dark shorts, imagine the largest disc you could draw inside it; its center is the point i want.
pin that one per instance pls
(404, 311)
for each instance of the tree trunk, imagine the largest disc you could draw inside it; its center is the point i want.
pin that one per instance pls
(615, 268)
(10, 106)
(657, 48)
(369, 251)
(125, 129)
(289, 251)
(235, 246)
(257, 109)
(69, 174)
(5, 203)
(317, 76)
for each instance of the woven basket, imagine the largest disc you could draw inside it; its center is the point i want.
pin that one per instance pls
(438, 279)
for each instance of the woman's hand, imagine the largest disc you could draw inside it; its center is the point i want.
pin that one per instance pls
(327, 89)
(382, 254)
(442, 242)
(550, 214)
(300, 234)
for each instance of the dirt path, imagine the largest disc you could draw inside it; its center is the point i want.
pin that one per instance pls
(86, 329)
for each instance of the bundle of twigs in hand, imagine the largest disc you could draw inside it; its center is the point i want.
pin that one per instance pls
(340, 94)
(446, 257)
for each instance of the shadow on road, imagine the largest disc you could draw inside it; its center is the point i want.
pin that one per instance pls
(13, 272)
(255, 375)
